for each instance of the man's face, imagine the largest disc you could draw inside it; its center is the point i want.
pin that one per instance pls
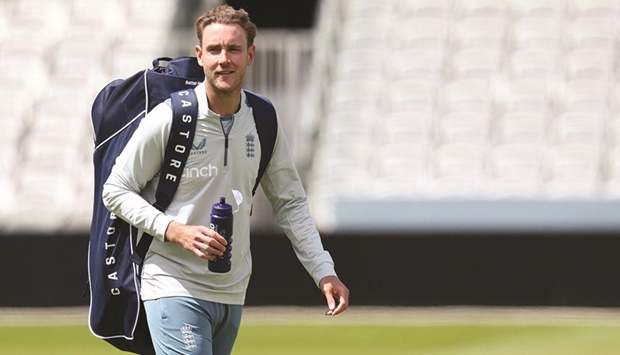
(225, 56)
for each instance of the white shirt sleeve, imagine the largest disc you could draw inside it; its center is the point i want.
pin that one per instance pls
(129, 190)
(283, 188)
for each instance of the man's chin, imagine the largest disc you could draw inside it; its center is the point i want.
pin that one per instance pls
(225, 88)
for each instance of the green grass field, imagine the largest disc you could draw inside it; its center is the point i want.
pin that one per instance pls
(305, 331)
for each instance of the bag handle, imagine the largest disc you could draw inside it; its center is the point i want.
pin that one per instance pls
(157, 63)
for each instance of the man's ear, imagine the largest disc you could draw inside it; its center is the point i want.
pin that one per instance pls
(199, 54)
(251, 52)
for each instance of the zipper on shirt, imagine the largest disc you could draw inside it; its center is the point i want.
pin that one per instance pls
(226, 122)
(225, 149)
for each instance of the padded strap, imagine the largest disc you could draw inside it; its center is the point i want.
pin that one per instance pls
(184, 117)
(266, 122)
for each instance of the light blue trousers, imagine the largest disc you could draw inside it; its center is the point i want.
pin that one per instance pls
(182, 325)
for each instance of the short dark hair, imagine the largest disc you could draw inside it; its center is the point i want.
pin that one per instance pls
(227, 15)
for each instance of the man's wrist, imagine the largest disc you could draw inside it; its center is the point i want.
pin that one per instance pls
(169, 231)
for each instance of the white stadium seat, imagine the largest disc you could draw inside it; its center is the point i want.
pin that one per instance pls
(529, 127)
(538, 8)
(602, 8)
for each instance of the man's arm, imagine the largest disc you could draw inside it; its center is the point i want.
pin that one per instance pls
(283, 188)
(139, 162)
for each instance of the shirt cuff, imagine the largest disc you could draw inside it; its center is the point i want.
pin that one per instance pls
(161, 225)
(326, 269)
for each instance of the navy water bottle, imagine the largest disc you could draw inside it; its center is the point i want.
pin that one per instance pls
(222, 222)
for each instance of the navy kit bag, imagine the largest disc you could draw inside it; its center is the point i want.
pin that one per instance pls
(115, 256)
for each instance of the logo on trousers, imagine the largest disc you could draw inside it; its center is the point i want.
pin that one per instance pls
(189, 339)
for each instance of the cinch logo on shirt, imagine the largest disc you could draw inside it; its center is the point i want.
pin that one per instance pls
(205, 171)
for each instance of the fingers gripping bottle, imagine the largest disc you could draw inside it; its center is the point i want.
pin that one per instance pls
(222, 222)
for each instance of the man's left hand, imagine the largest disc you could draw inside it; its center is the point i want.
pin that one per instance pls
(336, 293)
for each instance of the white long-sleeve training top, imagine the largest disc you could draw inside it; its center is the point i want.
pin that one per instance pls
(212, 171)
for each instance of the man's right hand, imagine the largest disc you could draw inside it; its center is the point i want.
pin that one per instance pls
(200, 240)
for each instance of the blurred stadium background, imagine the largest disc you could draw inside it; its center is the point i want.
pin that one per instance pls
(455, 152)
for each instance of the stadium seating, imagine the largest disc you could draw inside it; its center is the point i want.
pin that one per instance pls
(56, 55)
(414, 99)
(494, 99)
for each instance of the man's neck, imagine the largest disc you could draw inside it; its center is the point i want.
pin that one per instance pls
(224, 104)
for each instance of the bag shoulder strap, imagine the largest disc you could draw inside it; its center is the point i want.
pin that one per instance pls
(266, 121)
(184, 117)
